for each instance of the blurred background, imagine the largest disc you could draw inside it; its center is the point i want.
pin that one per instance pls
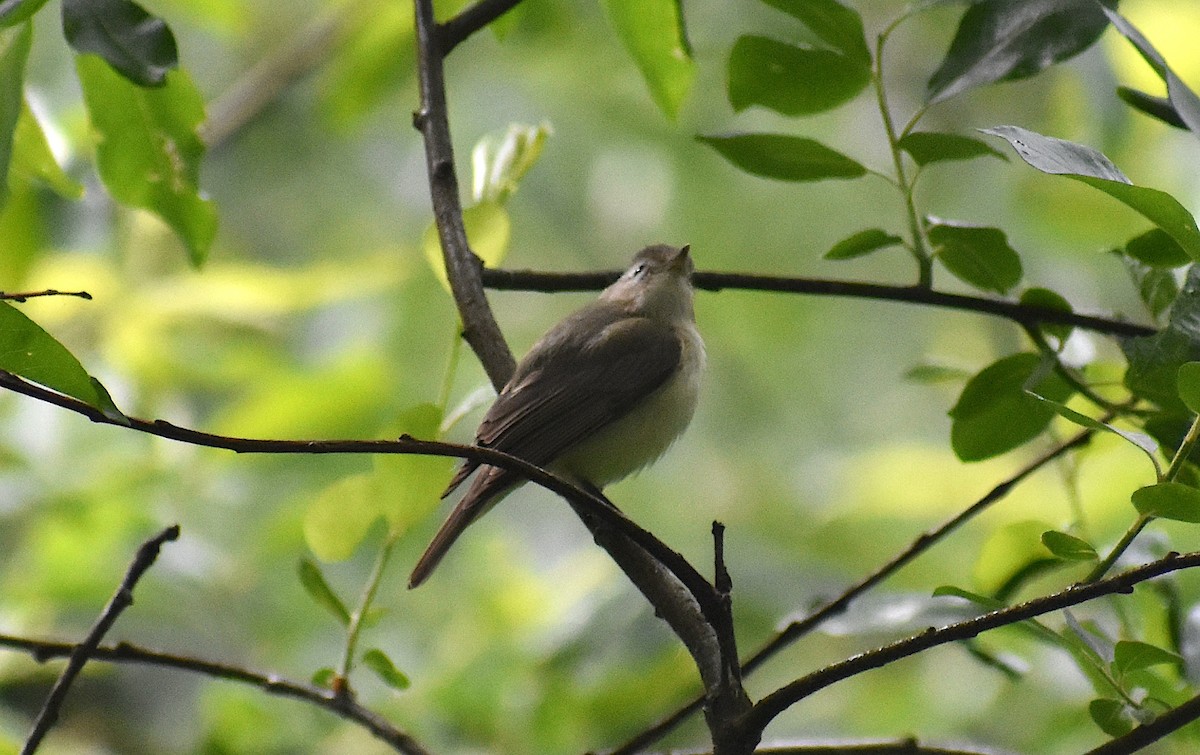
(317, 316)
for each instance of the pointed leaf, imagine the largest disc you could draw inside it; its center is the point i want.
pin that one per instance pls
(14, 51)
(377, 661)
(1141, 441)
(1085, 164)
(1156, 248)
(1001, 40)
(1188, 381)
(319, 590)
(1168, 500)
(862, 243)
(653, 33)
(782, 157)
(833, 23)
(1184, 102)
(136, 44)
(792, 80)
(148, 153)
(995, 414)
(1132, 656)
(13, 12)
(977, 255)
(33, 160)
(1155, 107)
(927, 147)
(1068, 547)
(498, 163)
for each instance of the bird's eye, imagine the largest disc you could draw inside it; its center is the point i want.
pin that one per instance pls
(637, 270)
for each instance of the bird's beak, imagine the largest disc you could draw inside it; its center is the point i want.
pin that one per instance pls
(682, 262)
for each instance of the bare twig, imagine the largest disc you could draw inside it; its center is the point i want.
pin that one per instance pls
(529, 280)
(797, 629)
(120, 600)
(462, 266)
(341, 705)
(21, 296)
(470, 20)
(790, 694)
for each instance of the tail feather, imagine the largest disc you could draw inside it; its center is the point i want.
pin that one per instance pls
(488, 488)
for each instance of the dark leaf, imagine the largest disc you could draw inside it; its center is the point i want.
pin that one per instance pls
(786, 158)
(1182, 99)
(1156, 248)
(1112, 716)
(862, 243)
(319, 590)
(1001, 40)
(929, 147)
(1047, 299)
(976, 255)
(136, 44)
(1156, 107)
(1188, 381)
(1168, 500)
(995, 414)
(833, 23)
(791, 80)
(1154, 361)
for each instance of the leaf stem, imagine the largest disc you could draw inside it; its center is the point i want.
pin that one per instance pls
(1122, 545)
(354, 629)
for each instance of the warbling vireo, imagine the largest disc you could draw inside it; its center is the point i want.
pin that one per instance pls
(601, 395)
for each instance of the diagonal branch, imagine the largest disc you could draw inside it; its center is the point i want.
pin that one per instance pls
(121, 599)
(341, 705)
(471, 20)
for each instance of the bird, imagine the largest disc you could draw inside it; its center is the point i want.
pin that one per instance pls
(604, 393)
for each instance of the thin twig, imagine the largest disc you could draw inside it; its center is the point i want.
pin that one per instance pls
(21, 296)
(470, 20)
(340, 705)
(121, 599)
(790, 694)
(797, 629)
(528, 280)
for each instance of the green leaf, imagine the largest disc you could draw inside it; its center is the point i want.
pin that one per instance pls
(1184, 102)
(148, 153)
(1142, 441)
(1112, 716)
(488, 232)
(1068, 547)
(1085, 164)
(499, 162)
(13, 12)
(376, 52)
(1010, 555)
(1131, 655)
(1168, 500)
(982, 600)
(995, 414)
(1047, 299)
(1001, 40)
(1155, 107)
(33, 160)
(319, 590)
(833, 23)
(1156, 248)
(323, 677)
(936, 373)
(136, 44)
(1188, 382)
(792, 80)
(32, 353)
(862, 243)
(377, 661)
(1154, 361)
(653, 33)
(14, 51)
(339, 517)
(927, 147)
(1156, 287)
(976, 255)
(782, 157)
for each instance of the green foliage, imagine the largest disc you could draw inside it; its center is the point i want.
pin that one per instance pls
(136, 44)
(862, 243)
(1169, 500)
(976, 255)
(14, 51)
(652, 31)
(927, 147)
(785, 158)
(792, 80)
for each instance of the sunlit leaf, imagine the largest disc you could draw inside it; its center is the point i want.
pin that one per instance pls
(1009, 556)
(13, 12)
(783, 157)
(382, 665)
(1012, 39)
(376, 53)
(862, 243)
(976, 255)
(1168, 500)
(792, 80)
(995, 414)
(927, 147)
(14, 51)
(33, 160)
(834, 24)
(1059, 157)
(499, 162)
(147, 150)
(136, 44)
(653, 33)
(338, 519)
(488, 232)
(318, 589)
(1068, 547)
(1131, 655)
(409, 487)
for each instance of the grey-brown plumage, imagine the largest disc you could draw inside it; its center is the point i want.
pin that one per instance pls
(602, 394)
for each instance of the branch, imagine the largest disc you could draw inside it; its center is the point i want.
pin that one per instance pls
(471, 20)
(23, 295)
(121, 599)
(462, 266)
(1168, 722)
(1025, 314)
(798, 629)
(790, 694)
(341, 705)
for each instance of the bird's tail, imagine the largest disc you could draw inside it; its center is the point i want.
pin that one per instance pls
(486, 490)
